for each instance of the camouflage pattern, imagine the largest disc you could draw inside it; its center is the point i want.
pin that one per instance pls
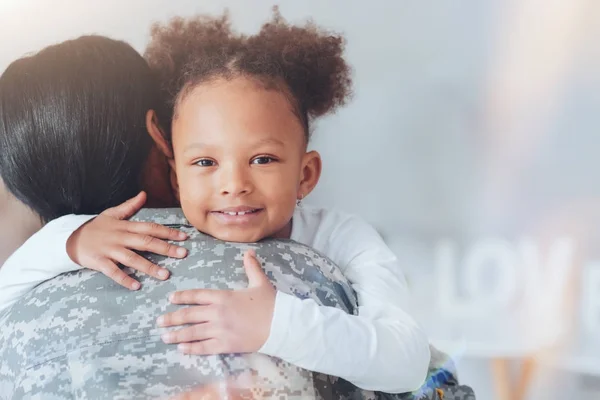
(81, 336)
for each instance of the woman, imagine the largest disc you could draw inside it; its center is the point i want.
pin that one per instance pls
(42, 97)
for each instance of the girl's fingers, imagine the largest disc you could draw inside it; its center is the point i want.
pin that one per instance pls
(205, 347)
(151, 244)
(187, 315)
(127, 209)
(199, 296)
(115, 273)
(153, 229)
(130, 259)
(197, 332)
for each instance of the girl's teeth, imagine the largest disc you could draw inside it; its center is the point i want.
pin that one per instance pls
(237, 213)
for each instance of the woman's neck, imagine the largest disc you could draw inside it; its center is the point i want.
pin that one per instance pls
(156, 181)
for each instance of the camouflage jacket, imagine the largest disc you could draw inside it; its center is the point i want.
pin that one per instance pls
(81, 336)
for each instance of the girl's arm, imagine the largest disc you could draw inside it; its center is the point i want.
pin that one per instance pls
(96, 242)
(382, 348)
(41, 257)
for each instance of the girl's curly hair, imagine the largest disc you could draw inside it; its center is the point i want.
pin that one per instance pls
(305, 62)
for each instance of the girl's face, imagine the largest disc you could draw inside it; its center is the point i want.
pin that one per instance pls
(241, 160)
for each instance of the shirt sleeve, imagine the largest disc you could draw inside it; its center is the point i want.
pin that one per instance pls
(43, 256)
(382, 348)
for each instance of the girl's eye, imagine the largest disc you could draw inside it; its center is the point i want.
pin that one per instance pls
(263, 160)
(205, 163)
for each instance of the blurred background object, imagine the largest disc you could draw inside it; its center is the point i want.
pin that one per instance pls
(471, 144)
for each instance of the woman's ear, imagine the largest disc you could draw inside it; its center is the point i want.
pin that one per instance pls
(310, 174)
(157, 135)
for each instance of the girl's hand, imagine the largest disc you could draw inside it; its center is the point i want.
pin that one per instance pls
(225, 321)
(109, 239)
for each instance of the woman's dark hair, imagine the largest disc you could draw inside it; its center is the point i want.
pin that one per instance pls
(73, 137)
(305, 63)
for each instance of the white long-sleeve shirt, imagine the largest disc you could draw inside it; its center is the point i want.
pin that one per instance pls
(381, 348)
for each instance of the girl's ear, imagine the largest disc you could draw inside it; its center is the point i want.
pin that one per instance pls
(310, 174)
(157, 134)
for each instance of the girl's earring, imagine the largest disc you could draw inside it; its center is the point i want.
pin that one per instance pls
(299, 201)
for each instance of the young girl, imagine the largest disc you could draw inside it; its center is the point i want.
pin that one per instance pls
(240, 109)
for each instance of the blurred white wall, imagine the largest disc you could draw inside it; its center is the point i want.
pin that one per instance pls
(470, 143)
